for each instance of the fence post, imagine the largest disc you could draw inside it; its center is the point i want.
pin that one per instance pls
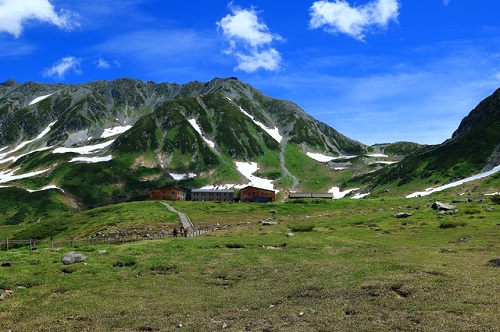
(7, 242)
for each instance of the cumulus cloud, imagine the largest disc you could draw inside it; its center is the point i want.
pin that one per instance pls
(339, 17)
(15, 13)
(62, 67)
(101, 63)
(249, 40)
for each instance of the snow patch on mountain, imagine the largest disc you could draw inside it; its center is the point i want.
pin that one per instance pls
(273, 132)
(7, 176)
(38, 99)
(45, 188)
(194, 124)
(182, 176)
(429, 191)
(109, 132)
(340, 194)
(91, 159)
(88, 149)
(324, 158)
(247, 169)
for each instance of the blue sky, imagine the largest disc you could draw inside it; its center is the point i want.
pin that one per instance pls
(375, 70)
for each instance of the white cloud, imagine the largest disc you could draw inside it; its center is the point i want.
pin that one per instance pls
(15, 13)
(62, 67)
(340, 17)
(101, 63)
(268, 59)
(249, 40)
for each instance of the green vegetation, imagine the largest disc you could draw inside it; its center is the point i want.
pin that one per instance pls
(351, 266)
(143, 217)
(314, 176)
(18, 206)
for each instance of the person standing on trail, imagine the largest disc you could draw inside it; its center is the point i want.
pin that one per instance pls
(185, 232)
(174, 232)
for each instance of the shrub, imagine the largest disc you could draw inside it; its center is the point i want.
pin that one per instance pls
(125, 261)
(234, 246)
(305, 227)
(495, 199)
(450, 224)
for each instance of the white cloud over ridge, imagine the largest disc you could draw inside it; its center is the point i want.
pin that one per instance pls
(340, 17)
(250, 40)
(15, 13)
(62, 67)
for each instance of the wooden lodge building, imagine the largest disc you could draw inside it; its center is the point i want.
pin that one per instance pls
(247, 194)
(254, 194)
(168, 193)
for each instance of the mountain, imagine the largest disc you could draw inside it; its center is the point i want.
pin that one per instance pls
(473, 148)
(111, 141)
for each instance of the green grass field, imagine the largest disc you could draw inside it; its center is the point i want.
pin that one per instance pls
(350, 265)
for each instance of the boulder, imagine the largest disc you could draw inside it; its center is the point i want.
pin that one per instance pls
(443, 206)
(269, 223)
(8, 264)
(73, 257)
(403, 215)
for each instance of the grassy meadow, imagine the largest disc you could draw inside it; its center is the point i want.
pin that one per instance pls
(327, 265)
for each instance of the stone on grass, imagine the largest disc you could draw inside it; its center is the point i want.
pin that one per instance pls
(403, 215)
(73, 257)
(443, 206)
(494, 262)
(8, 264)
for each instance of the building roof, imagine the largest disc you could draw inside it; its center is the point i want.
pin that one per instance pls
(173, 187)
(248, 187)
(212, 191)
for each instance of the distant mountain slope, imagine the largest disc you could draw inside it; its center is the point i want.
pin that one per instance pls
(473, 148)
(109, 141)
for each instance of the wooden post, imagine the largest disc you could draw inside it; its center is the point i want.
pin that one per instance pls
(7, 242)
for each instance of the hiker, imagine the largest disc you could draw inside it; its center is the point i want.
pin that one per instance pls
(185, 232)
(182, 230)
(174, 232)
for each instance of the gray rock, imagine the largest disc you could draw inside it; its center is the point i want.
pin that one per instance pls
(403, 215)
(443, 206)
(8, 264)
(73, 257)
(494, 262)
(269, 223)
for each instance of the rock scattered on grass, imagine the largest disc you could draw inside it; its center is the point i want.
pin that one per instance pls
(494, 262)
(73, 257)
(443, 206)
(8, 264)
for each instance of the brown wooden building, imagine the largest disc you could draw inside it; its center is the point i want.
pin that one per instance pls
(254, 194)
(168, 193)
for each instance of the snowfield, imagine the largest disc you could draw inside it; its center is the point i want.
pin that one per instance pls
(91, 159)
(273, 132)
(324, 159)
(6, 176)
(109, 132)
(38, 99)
(454, 184)
(194, 124)
(88, 149)
(182, 176)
